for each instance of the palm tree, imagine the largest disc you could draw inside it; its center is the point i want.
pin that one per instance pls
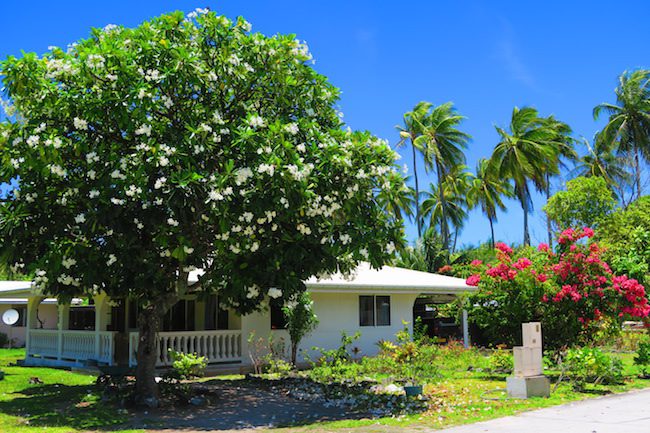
(455, 187)
(600, 161)
(564, 151)
(526, 152)
(628, 125)
(487, 190)
(411, 130)
(442, 144)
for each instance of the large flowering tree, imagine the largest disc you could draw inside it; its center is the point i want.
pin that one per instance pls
(188, 142)
(571, 290)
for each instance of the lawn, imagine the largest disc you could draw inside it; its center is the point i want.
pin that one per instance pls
(68, 401)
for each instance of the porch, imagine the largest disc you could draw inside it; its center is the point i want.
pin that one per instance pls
(98, 332)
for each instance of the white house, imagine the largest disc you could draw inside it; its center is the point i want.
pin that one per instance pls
(372, 302)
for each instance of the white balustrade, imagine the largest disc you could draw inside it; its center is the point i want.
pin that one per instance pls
(44, 342)
(216, 346)
(72, 345)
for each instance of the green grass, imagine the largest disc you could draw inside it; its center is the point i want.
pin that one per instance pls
(69, 402)
(65, 402)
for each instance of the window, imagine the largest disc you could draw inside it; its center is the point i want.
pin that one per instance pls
(82, 318)
(180, 317)
(278, 320)
(215, 317)
(374, 310)
(382, 306)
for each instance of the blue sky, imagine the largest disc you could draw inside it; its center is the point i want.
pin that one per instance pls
(485, 56)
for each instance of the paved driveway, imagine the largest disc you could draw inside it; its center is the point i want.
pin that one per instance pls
(623, 413)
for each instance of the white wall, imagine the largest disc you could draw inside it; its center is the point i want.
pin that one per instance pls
(338, 312)
(46, 312)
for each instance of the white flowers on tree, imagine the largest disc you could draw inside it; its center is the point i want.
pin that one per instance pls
(188, 142)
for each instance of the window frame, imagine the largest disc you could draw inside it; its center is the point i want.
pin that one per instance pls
(373, 299)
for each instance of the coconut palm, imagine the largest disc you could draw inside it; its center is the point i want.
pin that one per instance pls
(601, 161)
(398, 202)
(455, 186)
(628, 125)
(410, 131)
(442, 145)
(565, 151)
(525, 153)
(487, 190)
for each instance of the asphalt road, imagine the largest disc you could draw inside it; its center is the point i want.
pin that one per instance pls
(622, 413)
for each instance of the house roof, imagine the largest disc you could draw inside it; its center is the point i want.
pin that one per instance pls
(389, 278)
(386, 279)
(364, 279)
(15, 288)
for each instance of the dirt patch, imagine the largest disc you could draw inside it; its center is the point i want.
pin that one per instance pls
(240, 406)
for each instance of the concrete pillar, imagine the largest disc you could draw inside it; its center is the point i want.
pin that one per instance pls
(32, 318)
(466, 341)
(62, 325)
(102, 314)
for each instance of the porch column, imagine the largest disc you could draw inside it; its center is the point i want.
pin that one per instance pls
(32, 318)
(62, 324)
(102, 312)
(466, 341)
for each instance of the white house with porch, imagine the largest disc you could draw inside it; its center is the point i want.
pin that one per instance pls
(102, 331)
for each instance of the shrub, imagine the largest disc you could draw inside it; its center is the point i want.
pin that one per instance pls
(501, 361)
(188, 365)
(571, 290)
(184, 366)
(336, 365)
(301, 321)
(592, 365)
(642, 358)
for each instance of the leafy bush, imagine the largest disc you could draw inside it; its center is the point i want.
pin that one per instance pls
(184, 366)
(501, 361)
(188, 365)
(336, 365)
(592, 365)
(301, 321)
(642, 358)
(571, 290)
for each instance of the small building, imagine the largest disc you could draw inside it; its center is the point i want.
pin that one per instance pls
(375, 303)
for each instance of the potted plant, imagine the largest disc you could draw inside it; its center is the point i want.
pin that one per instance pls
(413, 385)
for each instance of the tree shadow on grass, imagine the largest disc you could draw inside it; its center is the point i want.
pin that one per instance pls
(59, 405)
(236, 405)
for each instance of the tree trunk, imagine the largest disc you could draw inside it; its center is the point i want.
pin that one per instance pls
(444, 229)
(146, 388)
(294, 352)
(418, 220)
(549, 229)
(637, 172)
(524, 206)
(491, 231)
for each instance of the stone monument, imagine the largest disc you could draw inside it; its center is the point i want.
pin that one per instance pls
(527, 379)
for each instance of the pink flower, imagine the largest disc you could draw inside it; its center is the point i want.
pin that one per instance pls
(473, 280)
(542, 278)
(476, 263)
(523, 263)
(543, 247)
(588, 232)
(503, 248)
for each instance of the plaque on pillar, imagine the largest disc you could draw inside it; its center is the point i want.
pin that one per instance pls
(528, 379)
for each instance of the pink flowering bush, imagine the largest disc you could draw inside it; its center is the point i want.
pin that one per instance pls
(571, 290)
